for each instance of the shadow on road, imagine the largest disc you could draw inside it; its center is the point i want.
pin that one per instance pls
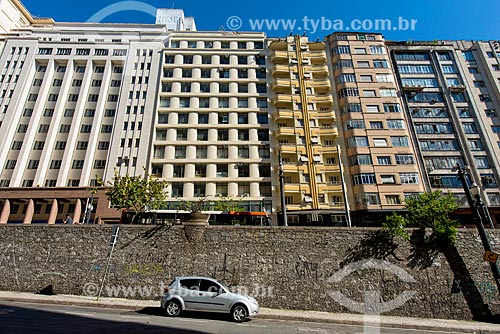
(157, 311)
(24, 320)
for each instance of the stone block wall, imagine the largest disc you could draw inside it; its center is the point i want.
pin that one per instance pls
(323, 269)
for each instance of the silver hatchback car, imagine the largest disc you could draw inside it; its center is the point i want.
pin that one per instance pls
(207, 295)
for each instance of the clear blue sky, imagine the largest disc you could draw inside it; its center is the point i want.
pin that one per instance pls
(436, 19)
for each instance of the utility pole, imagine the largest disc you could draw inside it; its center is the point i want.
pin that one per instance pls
(282, 189)
(476, 207)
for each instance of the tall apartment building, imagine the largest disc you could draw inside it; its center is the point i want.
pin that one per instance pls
(304, 127)
(77, 101)
(212, 136)
(376, 144)
(450, 92)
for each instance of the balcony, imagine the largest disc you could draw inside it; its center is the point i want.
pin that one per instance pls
(324, 114)
(323, 69)
(317, 46)
(287, 131)
(283, 113)
(326, 99)
(281, 70)
(322, 84)
(279, 45)
(282, 83)
(331, 188)
(279, 57)
(317, 57)
(326, 131)
(297, 188)
(285, 99)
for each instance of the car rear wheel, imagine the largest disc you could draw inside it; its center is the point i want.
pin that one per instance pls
(172, 308)
(239, 313)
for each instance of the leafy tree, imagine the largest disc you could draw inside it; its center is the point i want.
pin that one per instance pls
(220, 204)
(395, 225)
(427, 210)
(135, 192)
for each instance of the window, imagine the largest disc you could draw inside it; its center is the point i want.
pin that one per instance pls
(368, 178)
(86, 128)
(344, 92)
(33, 164)
(443, 145)
(388, 92)
(352, 107)
(44, 128)
(416, 69)
(38, 145)
(395, 124)
(343, 63)
(482, 162)
(82, 145)
(412, 56)
(60, 145)
(180, 152)
(425, 98)
(202, 135)
(349, 77)
(365, 78)
(103, 145)
(449, 69)
(408, 178)
(373, 108)
(55, 164)
(380, 64)
(428, 113)
(379, 142)
(376, 125)
(360, 159)
(393, 199)
(341, 49)
(469, 128)
(357, 141)
(377, 50)
(387, 179)
(106, 128)
(400, 141)
(404, 159)
(384, 160)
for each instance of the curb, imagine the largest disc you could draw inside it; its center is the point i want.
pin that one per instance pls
(321, 318)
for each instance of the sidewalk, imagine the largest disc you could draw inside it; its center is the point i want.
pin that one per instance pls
(265, 313)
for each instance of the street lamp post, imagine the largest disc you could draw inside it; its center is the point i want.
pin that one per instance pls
(282, 189)
(476, 207)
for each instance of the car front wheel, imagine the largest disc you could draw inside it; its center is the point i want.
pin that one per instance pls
(172, 308)
(239, 313)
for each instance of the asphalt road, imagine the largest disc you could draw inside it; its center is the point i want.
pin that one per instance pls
(20, 318)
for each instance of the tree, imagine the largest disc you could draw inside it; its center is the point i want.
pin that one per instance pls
(427, 210)
(135, 192)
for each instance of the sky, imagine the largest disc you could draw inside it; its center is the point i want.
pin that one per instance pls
(432, 19)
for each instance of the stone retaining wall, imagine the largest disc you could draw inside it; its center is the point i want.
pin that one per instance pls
(293, 268)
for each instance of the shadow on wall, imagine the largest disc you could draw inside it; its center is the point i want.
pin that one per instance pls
(424, 249)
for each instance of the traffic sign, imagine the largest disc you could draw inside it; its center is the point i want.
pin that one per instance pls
(490, 257)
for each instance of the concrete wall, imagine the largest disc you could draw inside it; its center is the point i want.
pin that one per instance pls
(281, 267)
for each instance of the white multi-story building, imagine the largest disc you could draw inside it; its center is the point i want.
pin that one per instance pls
(77, 101)
(212, 135)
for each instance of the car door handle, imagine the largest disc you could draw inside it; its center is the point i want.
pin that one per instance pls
(200, 294)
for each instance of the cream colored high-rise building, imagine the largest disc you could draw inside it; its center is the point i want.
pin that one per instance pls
(376, 143)
(212, 138)
(304, 128)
